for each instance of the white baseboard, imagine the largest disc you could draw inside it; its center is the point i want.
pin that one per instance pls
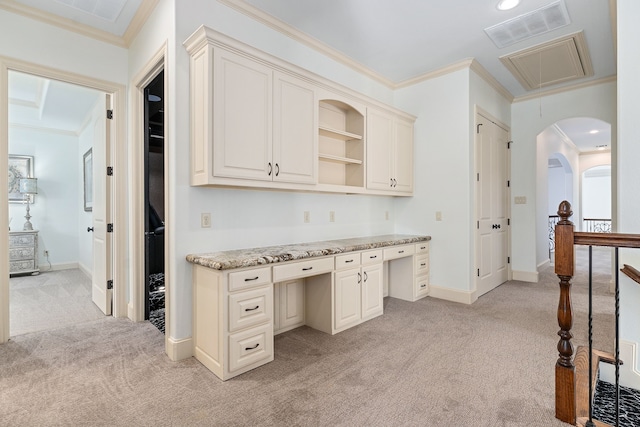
(525, 276)
(544, 264)
(455, 295)
(179, 349)
(130, 311)
(629, 374)
(55, 267)
(85, 270)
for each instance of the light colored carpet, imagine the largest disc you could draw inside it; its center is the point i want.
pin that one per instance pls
(428, 363)
(50, 300)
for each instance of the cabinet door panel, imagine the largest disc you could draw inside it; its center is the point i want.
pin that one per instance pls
(403, 157)
(242, 99)
(379, 142)
(291, 303)
(295, 131)
(372, 291)
(347, 297)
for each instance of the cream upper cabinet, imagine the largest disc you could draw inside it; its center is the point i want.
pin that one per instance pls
(389, 152)
(295, 123)
(242, 119)
(258, 121)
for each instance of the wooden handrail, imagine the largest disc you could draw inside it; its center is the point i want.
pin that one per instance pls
(614, 240)
(631, 272)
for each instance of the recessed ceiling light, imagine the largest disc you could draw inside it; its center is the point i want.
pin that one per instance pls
(507, 4)
(593, 132)
(601, 147)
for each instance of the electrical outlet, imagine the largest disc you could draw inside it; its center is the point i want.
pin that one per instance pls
(332, 216)
(307, 216)
(205, 220)
(46, 253)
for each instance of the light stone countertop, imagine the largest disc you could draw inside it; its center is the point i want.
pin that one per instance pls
(240, 258)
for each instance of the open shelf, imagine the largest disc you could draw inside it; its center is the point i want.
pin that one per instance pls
(338, 159)
(338, 134)
(341, 144)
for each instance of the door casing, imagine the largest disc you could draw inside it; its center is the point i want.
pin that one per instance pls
(117, 146)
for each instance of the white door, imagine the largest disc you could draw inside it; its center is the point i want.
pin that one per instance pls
(372, 283)
(347, 297)
(100, 294)
(492, 195)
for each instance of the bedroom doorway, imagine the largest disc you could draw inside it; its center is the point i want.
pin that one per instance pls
(154, 201)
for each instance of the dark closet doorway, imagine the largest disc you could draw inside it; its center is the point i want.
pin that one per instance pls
(154, 201)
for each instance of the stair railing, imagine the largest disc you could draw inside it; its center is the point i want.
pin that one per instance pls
(565, 239)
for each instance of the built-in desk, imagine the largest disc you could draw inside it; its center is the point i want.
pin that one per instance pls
(243, 297)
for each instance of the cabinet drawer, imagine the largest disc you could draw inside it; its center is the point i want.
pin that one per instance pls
(18, 266)
(399, 252)
(422, 264)
(422, 286)
(371, 257)
(422, 248)
(22, 240)
(349, 260)
(250, 346)
(16, 254)
(250, 308)
(302, 269)
(249, 278)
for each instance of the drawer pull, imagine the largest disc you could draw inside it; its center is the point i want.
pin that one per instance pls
(400, 252)
(348, 261)
(423, 247)
(307, 268)
(373, 257)
(423, 286)
(251, 309)
(252, 348)
(424, 264)
(250, 280)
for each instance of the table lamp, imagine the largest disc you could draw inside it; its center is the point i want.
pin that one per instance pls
(28, 186)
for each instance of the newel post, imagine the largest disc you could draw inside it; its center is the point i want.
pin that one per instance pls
(564, 268)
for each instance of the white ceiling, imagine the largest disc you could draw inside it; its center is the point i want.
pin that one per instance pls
(398, 40)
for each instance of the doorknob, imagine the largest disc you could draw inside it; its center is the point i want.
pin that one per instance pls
(89, 229)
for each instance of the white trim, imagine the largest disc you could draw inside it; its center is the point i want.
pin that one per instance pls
(487, 77)
(143, 13)
(455, 295)
(564, 137)
(85, 270)
(543, 265)
(301, 37)
(45, 129)
(179, 349)
(460, 65)
(118, 146)
(57, 267)
(525, 276)
(550, 92)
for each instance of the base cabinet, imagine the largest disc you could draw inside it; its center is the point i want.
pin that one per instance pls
(289, 300)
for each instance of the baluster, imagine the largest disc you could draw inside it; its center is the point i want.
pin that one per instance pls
(564, 268)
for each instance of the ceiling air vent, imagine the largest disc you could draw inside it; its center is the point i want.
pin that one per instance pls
(530, 24)
(557, 61)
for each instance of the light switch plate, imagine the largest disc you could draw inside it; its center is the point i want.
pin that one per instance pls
(205, 220)
(520, 200)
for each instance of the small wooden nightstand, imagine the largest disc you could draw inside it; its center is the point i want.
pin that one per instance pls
(23, 252)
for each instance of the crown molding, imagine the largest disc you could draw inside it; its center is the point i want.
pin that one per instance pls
(43, 129)
(565, 138)
(568, 88)
(145, 9)
(460, 65)
(487, 77)
(295, 34)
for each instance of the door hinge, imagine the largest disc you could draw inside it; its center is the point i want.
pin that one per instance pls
(478, 128)
(109, 284)
(508, 183)
(109, 170)
(509, 144)
(508, 260)
(508, 221)
(478, 176)
(478, 224)
(110, 228)
(110, 114)
(478, 272)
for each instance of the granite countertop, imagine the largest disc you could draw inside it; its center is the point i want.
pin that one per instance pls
(240, 258)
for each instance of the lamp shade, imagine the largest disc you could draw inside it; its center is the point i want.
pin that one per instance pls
(29, 185)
